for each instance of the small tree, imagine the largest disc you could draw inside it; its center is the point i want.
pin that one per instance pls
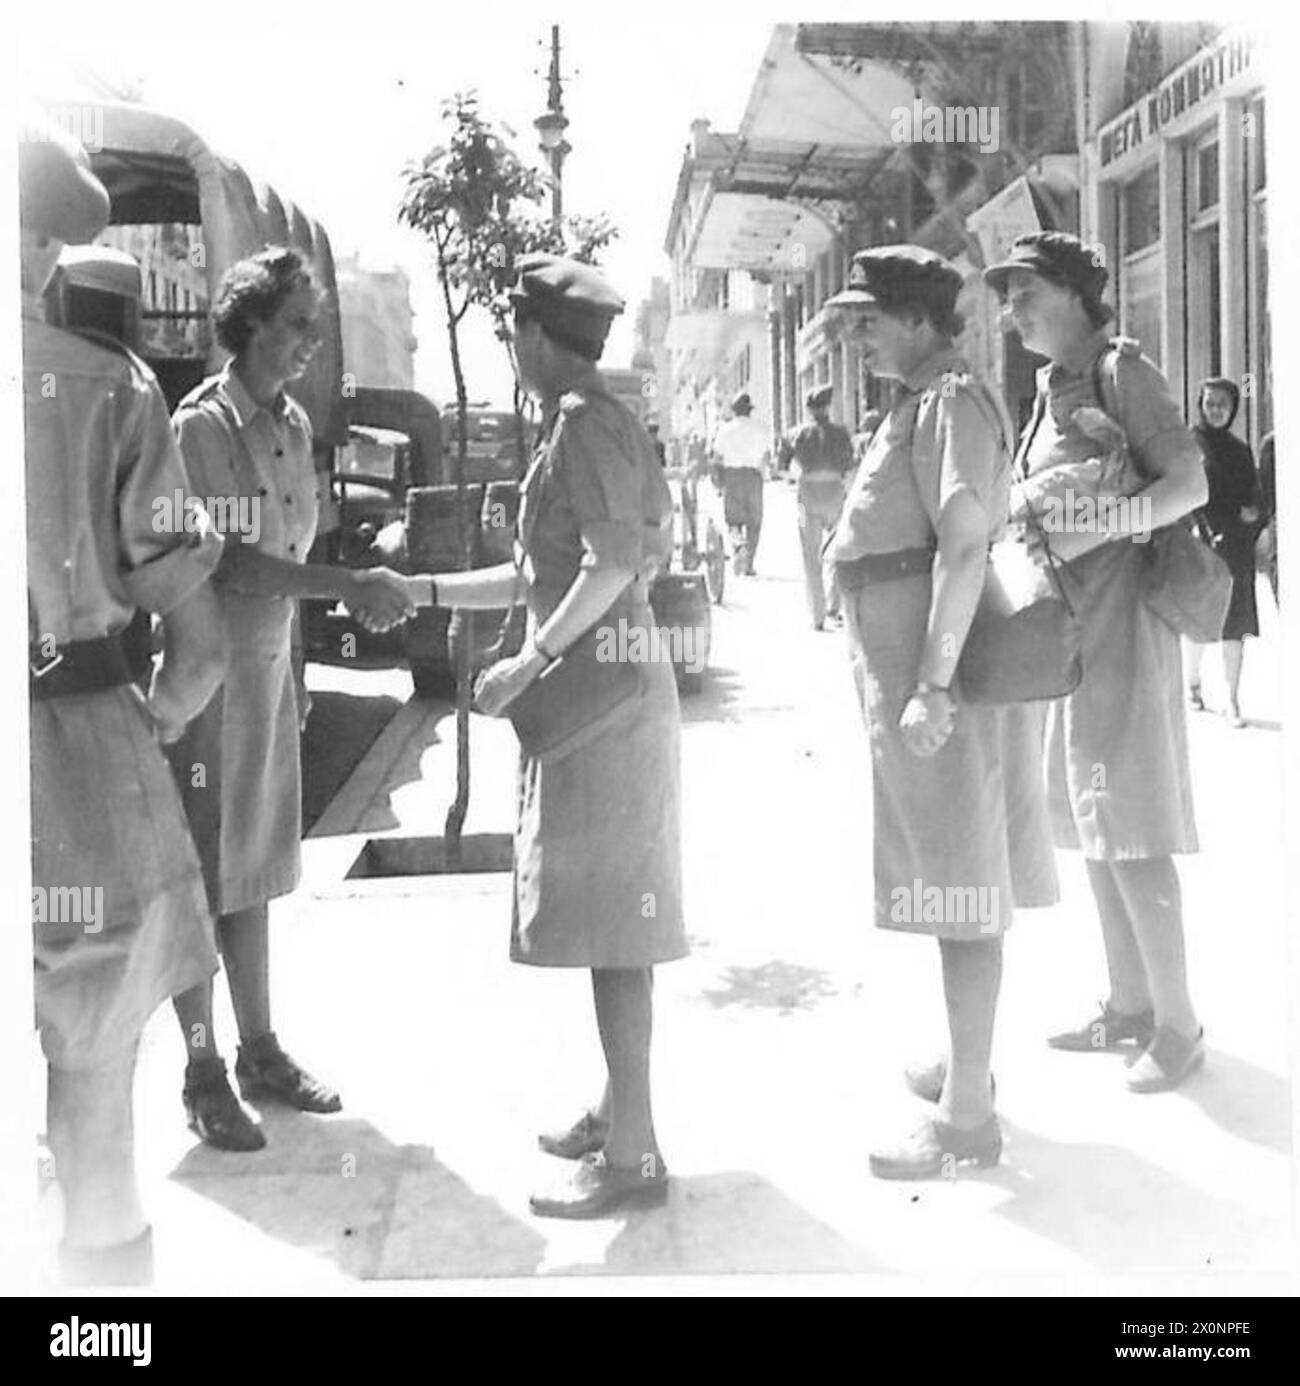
(469, 197)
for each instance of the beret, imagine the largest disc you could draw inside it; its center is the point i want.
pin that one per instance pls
(101, 267)
(570, 298)
(895, 274)
(58, 195)
(820, 398)
(1055, 255)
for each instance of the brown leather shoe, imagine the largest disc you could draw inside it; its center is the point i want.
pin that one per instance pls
(584, 1137)
(599, 1190)
(936, 1148)
(1107, 1030)
(265, 1072)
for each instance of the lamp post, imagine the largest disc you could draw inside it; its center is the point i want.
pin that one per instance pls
(551, 125)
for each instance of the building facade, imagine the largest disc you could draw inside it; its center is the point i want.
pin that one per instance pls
(379, 339)
(1176, 192)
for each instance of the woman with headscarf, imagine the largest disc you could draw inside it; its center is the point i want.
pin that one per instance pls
(1231, 517)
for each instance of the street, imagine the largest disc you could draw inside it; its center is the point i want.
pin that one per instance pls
(779, 1042)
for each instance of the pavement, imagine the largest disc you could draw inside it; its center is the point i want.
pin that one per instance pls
(778, 1044)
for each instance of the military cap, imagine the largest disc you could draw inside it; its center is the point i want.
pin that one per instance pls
(742, 404)
(894, 275)
(568, 298)
(1054, 255)
(101, 267)
(58, 195)
(820, 398)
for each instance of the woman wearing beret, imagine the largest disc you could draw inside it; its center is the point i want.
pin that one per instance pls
(597, 849)
(1118, 780)
(237, 766)
(1232, 517)
(960, 828)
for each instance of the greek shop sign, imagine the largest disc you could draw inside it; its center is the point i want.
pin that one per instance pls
(1223, 68)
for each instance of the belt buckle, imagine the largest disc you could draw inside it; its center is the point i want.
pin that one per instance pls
(39, 671)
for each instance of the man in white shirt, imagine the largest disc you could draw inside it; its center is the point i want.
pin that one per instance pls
(742, 449)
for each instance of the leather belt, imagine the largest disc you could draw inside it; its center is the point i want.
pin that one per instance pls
(83, 666)
(856, 573)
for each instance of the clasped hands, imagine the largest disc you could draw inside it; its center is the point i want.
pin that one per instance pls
(379, 599)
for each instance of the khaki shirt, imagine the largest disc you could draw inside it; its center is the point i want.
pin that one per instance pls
(103, 470)
(820, 451)
(252, 465)
(932, 444)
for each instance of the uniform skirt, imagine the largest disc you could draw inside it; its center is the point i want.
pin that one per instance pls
(960, 837)
(238, 765)
(598, 876)
(1119, 785)
(106, 818)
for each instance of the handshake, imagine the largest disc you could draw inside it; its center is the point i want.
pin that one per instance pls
(379, 598)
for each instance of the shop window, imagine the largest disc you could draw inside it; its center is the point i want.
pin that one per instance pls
(1141, 210)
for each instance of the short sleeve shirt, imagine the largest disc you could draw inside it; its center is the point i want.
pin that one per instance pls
(595, 495)
(820, 448)
(251, 465)
(742, 442)
(946, 433)
(1146, 410)
(104, 537)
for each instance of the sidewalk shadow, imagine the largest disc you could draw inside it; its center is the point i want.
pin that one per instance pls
(1121, 1212)
(341, 729)
(731, 1223)
(1243, 1099)
(380, 816)
(343, 1190)
(717, 701)
(775, 985)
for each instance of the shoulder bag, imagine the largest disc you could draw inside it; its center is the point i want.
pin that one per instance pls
(1184, 581)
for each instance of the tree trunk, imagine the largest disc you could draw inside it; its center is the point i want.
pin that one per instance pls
(460, 805)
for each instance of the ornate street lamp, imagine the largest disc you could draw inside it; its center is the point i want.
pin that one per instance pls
(551, 126)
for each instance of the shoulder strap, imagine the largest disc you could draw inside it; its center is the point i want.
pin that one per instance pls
(1105, 380)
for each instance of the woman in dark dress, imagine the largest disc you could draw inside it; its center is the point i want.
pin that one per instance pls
(1231, 516)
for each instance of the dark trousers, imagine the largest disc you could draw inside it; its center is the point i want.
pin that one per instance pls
(742, 507)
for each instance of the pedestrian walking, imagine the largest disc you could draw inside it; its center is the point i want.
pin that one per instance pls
(821, 454)
(743, 450)
(119, 917)
(1232, 520)
(1118, 780)
(597, 881)
(248, 442)
(960, 833)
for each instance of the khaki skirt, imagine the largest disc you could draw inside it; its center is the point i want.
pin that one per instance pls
(109, 840)
(598, 875)
(961, 837)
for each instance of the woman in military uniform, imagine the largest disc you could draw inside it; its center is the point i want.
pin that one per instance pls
(106, 818)
(246, 441)
(597, 849)
(1119, 784)
(960, 830)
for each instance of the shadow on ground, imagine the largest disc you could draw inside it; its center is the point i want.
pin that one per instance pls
(1121, 1212)
(341, 729)
(381, 1211)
